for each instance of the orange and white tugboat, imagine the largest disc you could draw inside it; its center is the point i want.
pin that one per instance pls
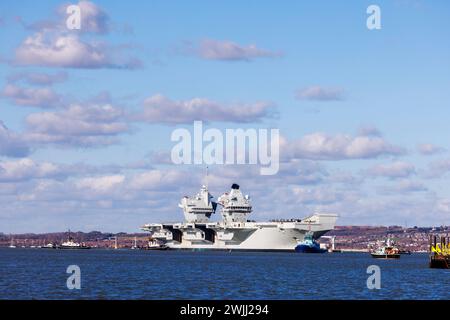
(387, 251)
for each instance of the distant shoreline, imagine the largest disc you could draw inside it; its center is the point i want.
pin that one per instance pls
(414, 239)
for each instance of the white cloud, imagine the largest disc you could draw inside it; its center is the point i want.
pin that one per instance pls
(398, 169)
(68, 50)
(12, 144)
(153, 195)
(34, 97)
(211, 49)
(79, 125)
(301, 172)
(318, 93)
(38, 78)
(443, 205)
(321, 146)
(93, 18)
(438, 169)
(101, 184)
(160, 180)
(26, 169)
(316, 196)
(53, 45)
(429, 149)
(411, 186)
(160, 109)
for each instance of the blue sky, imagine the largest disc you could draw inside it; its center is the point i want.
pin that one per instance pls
(85, 112)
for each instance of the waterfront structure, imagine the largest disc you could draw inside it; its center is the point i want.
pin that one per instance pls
(439, 252)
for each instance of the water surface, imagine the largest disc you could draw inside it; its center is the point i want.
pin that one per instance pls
(139, 274)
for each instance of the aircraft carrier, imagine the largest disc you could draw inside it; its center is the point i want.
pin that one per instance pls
(234, 231)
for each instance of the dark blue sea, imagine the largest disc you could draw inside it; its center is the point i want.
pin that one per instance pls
(139, 274)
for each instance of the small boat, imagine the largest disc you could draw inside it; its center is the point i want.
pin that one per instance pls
(154, 244)
(134, 247)
(49, 246)
(12, 246)
(309, 245)
(387, 251)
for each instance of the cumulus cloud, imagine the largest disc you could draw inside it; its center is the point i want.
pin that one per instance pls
(12, 144)
(93, 18)
(318, 93)
(161, 157)
(68, 50)
(53, 45)
(301, 172)
(102, 184)
(429, 149)
(438, 169)
(411, 186)
(152, 195)
(78, 125)
(160, 180)
(317, 195)
(34, 97)
(210, 49)
(93, 176)
(443, 205)
(160, 109)
(398, 169)
(321, 146)
(25, 169)
(38, 78)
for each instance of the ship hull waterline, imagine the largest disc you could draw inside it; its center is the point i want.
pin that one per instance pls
(386, 256)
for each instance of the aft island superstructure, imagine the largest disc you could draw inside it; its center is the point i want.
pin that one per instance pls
(234, 231)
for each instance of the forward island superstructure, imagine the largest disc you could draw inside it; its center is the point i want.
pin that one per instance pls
(235, 231)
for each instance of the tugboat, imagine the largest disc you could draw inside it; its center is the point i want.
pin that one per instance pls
(388, 251)
(70, 244)
(154, 244)
(309, 245)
